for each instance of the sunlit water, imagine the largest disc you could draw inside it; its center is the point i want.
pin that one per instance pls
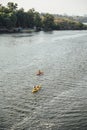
(61, 104)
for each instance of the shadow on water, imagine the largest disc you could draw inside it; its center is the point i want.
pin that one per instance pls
(23, 35)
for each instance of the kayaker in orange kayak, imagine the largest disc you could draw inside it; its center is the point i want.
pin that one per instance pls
(39, 72)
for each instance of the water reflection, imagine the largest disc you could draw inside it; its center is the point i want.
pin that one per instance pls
(22, 35)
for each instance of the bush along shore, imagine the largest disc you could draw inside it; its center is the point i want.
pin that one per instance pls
(13, 20)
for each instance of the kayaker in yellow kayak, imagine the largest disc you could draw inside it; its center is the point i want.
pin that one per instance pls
(36, 88)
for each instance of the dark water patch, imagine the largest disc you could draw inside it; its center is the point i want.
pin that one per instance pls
(23, 35)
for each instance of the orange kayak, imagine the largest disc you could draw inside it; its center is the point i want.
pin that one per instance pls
(39, 73)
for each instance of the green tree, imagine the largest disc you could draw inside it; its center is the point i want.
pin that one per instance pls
(48, 22)
(30, 18)
(12, 6)
(13, 19)
(7, 17)
(37, 20)
(20, 14)
(3, 9)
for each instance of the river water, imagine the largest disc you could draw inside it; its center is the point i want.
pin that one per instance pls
(61, 104)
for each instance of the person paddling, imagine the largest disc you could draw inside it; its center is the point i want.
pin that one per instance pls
(39, 72)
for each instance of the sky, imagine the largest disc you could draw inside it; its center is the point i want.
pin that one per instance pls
(68, 7)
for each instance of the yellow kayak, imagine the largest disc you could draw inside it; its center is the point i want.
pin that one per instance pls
(36, 88)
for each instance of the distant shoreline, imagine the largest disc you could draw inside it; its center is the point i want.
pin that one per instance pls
(15, 30)
(14, 20)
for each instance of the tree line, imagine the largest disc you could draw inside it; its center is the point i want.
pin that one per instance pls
(12, 17)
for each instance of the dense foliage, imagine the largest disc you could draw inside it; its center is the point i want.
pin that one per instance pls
(12, 17)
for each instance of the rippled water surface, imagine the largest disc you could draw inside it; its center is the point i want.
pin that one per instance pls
(61, 104)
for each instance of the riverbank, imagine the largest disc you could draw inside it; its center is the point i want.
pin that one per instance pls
(16, 30)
